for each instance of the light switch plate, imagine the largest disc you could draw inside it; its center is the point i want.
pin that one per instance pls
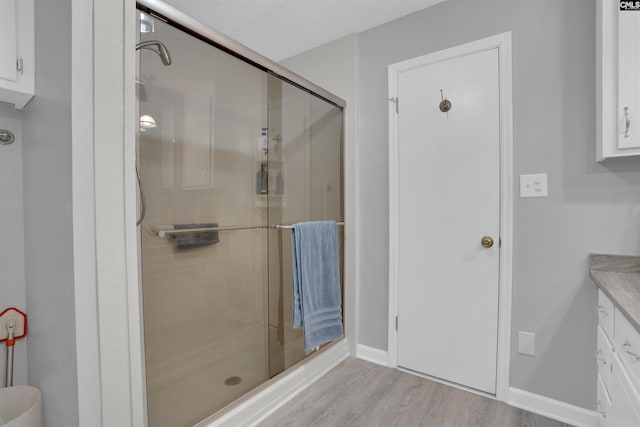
(527, 343)
(534, 185)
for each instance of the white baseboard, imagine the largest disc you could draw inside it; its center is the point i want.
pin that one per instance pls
(371, 354)
(267, 401)
(552, 408)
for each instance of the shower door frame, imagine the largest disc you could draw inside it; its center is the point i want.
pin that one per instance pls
(194, 28)
(178, 19)
(109, 351)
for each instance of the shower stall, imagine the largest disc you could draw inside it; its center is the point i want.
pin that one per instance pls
(232, 148)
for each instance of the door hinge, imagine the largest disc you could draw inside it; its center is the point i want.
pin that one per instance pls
(396, 323)
(19, 65)
(397, 102)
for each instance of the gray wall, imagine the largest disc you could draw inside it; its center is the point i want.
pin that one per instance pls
(12, 292)
(46, 123)
(591, 207)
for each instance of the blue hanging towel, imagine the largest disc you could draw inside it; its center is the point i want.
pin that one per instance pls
(316, 282)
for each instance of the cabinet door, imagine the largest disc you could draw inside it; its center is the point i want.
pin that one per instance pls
(627, 341)
(617, 81)
(605, 314)
(603, 404)
(625, 411)
(8, 40)
(603, 357)
(628, 79)
(17, 62)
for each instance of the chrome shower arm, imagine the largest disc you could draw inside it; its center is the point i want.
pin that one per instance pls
(160, 49)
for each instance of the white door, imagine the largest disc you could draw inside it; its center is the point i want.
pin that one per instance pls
(448, 200)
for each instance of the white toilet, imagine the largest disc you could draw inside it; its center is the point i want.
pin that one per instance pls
(20, 406)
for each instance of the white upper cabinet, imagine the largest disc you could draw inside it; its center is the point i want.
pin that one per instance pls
(618, 81)
(17, 64)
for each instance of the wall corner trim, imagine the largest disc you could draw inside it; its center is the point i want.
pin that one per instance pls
(373, 355)
(551, 408)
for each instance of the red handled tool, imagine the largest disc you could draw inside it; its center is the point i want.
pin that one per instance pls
(13, 326)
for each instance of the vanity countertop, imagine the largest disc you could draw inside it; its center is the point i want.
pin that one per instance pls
(619, 278)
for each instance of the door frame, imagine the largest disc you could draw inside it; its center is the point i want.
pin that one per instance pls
(503, 43)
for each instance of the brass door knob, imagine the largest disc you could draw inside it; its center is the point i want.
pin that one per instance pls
(486, 242)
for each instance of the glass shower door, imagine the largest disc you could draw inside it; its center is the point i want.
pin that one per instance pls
(204, 292)
(305, 171)
(226, 152)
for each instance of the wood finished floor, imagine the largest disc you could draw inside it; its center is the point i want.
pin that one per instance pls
(359, 393)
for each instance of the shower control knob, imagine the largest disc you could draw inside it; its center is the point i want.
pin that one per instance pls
(486, 242)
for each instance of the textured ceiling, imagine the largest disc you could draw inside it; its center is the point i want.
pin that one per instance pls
(279, 29)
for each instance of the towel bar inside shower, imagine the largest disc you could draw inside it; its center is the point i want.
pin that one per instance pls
(289, 227)
(165, 230)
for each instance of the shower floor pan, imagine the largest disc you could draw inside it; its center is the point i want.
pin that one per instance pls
(185, 390)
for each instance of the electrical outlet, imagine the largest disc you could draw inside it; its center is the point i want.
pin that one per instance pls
(527, 343)
(533, 185)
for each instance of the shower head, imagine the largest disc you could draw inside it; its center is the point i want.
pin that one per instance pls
(162, 50)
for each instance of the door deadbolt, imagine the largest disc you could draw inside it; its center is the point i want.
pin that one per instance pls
(486, 242)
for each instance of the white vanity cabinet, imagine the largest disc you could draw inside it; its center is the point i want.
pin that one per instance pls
(603, 404)
(604, 356)
(625, 410)
(17, 63)
(618, 381)
(618, 81)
